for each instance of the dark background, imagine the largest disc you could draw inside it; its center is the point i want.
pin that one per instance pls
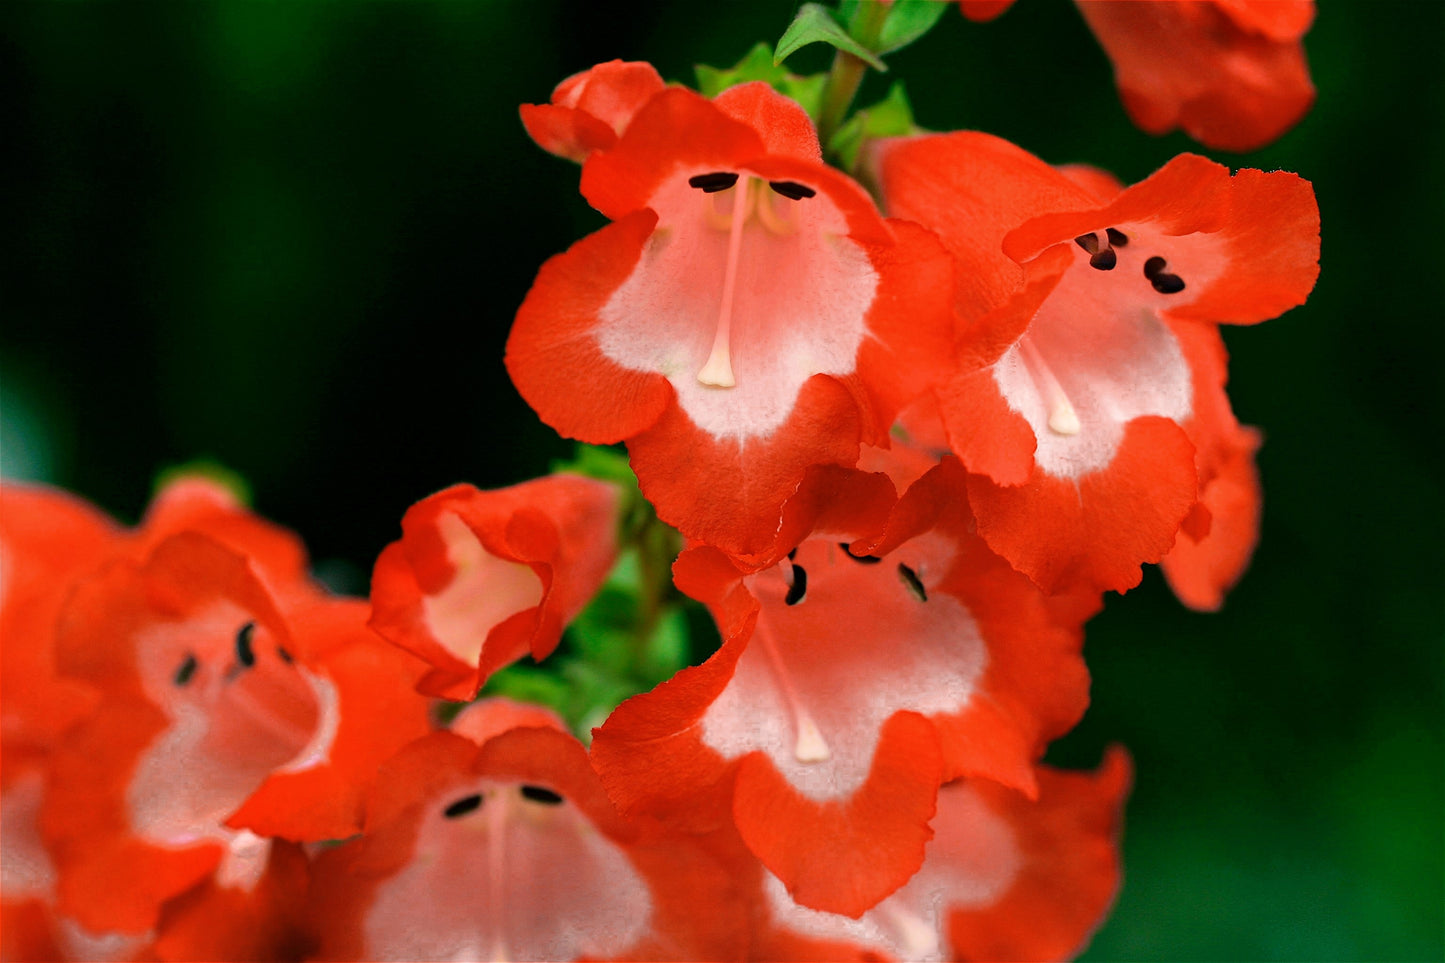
(291, 238)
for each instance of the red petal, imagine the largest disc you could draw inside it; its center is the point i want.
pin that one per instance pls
(553, 341)
(1068, 871)
(590, 109)
(731, 493)
(1097, 531)
(844, 856)
(1232, 74)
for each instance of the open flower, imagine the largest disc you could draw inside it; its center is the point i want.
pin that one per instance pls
(237, 705)
(481, 578)
(858, 674)
(747, 315)
(495, 841)
(1075, 399)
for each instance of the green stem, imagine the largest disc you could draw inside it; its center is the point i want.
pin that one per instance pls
(846, 74)
(844, 79)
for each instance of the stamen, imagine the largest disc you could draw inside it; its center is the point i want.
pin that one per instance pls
(798, 588)
(860, 559)
(914, 583)
(245, 654)
(1063, 419)
(187, 669)
(1116, 237)
(792, 190)
(810, 745)
(712, 183)
(1089, 242)
(463, 806)
(781, 222)
(541, 794)
(717, 371)
(1163, 281)
(1104, 260)
(286, 656)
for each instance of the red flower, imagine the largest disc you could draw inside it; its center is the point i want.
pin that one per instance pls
(748, 314)
(236, 702)
(850, 685)
(480, 579)
(590, 110)
(1005, 878)
(1231, 73)
(1076, 400)
(507, 848)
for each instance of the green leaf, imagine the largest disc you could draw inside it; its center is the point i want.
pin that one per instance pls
(890, 117)
(758, 65)
(907, 21)
(815, 24)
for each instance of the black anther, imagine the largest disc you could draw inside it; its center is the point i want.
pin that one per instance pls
(285, 655)
(1089, 242)
(793, 553)
(862, 559)
(1117, 237)
(914, 583)
(1166, 283)
(714, 182)
(244, 653)
(1104, 260)
(799, 588)
(1153, 266)
(187, 669)
(541, 794)
(462, 806)
(792, 190)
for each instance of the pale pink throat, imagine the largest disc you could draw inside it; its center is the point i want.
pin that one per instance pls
(774, 208)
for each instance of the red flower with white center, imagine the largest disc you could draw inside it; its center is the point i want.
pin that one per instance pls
(509, 849)
(747, 315)
(1005, 877)
(480, 579)
(591, 109)
(1231, 73)
(848, 688)
(220, 718)
(1073, 389)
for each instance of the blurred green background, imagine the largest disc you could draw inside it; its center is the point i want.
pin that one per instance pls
(290, 237)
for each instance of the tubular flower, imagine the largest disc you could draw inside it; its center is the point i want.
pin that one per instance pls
(591, 109)
(857, 674)
(1231, 73)
(1005, 877)
(480, 579)
(495, 841)
(747, 315)
(235, 702)
(1076, 399)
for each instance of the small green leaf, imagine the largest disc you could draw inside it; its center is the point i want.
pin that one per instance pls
(815, 24)
(890, 117)
(758, 65)
(907, 21)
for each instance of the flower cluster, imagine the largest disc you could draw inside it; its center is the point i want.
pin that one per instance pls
(901, 427)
